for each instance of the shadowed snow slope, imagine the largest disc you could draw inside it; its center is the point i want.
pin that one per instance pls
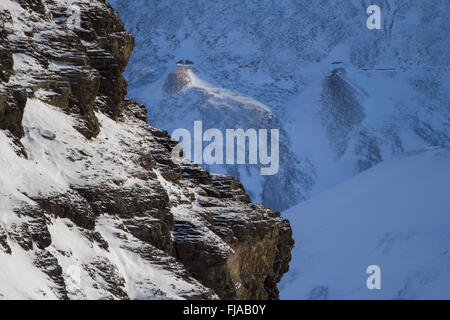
(395, 215)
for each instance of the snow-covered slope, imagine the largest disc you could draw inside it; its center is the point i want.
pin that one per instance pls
(112, 268)
(344, 97)
(395, 215)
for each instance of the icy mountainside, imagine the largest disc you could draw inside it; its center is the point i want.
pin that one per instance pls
(91, 204)
(344, 97)
(395, 215)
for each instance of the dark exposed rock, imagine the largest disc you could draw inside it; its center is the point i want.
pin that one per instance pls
(49, 265)
(97, 238)
(147, 161)
(85, 71)
(161, 153)
(153, 231)
(68, 205)
(136, 201)
(261, 244)
(136, 109)
(12, 105)
(6, 59)
(112, 84)
(229, 188)
(36, 225)
(84, 84)
(55, 92)
(4, 246)
(196, 174)
(120, 45)
(113, 282)
(21, 234)
(33, 5)
(40, 234)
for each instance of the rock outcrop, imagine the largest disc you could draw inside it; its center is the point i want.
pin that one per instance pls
(90, 194)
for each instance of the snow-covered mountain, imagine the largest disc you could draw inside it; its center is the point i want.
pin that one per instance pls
(344, 97)
(91, 204)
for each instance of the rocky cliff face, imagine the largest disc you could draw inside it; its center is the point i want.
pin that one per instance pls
(91, 204)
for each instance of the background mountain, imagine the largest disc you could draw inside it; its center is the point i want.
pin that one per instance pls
(91, 204)
(351, 105)
(344, 97)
